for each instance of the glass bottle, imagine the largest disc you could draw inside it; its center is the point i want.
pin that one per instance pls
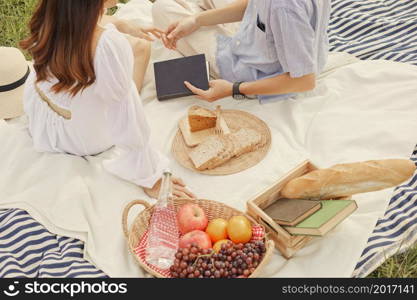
(163, 237)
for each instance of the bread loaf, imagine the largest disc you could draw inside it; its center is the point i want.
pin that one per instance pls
(218, 149)
(349, 179)
(201, 118)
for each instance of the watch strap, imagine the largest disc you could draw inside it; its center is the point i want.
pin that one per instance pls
(236, 91)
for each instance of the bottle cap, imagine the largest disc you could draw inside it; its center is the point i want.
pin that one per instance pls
(167, 171)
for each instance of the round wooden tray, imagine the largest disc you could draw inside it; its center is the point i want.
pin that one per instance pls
(235, 119)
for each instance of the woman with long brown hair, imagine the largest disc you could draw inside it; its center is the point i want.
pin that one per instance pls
(83, 97)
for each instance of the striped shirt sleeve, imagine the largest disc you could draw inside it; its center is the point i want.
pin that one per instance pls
(294, 41)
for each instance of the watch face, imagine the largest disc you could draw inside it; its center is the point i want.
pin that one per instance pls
(239, 96)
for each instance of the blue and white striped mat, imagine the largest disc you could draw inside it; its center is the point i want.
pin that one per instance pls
(369, 29)
(381, 29)
(27, 249)
(375, 29)
(396, 231)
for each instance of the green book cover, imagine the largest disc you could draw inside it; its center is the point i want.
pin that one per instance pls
(329, 208)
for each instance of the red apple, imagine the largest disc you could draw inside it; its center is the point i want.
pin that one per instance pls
(191, 217)
(198, 237)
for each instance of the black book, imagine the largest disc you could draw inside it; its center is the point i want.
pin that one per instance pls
(171, 74)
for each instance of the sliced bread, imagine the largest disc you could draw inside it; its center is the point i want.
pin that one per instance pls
(245, 140)
(207, 154)
(225, 156)
(201, 118)
(217, 150)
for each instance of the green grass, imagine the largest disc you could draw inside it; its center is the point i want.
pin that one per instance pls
(401, 265)
(14, 16)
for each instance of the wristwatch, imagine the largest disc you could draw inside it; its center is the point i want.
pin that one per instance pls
(237, 95)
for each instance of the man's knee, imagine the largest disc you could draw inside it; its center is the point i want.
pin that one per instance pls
(160, 11)
(165, 12)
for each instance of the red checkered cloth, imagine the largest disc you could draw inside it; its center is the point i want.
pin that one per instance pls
(140, 251)
(258, 234)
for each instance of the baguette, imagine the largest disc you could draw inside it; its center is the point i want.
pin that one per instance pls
(348, 179)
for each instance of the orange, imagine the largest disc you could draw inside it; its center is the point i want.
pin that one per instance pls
(239, 229)
(218, 245)
(217, 229)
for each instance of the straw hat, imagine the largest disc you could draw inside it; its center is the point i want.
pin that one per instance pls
(14, 70)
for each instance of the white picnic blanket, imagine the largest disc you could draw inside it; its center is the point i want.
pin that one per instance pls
(360, 110)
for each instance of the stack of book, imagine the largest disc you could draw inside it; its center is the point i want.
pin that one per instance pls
(310, 217)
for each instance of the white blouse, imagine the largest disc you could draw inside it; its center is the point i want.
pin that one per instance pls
(107, 113)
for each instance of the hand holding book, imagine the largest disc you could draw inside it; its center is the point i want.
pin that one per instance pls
(218, 89)
(170, 76)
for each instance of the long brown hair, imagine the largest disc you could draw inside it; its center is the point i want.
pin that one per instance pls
(61, 40)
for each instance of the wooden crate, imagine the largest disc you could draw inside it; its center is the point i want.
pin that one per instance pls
(286, 243)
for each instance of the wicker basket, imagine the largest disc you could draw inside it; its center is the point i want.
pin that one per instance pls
(212, 209)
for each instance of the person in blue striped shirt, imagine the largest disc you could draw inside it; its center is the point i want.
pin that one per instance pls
(277, 50)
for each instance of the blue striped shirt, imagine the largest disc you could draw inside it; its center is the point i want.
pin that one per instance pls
(276, 37)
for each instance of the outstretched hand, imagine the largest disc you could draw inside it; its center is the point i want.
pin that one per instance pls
(218, 89)
(148, 33)
(178, 30)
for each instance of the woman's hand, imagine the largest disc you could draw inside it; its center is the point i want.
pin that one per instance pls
(218, 89)
(179, 189)
(132, 29)
(147, 33)
(178, 30)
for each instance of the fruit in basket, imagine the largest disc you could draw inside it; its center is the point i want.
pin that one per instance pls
(197, 237)
(218, 245)
(233, 261)
(239, 229)
(191, 217)
(217, 229)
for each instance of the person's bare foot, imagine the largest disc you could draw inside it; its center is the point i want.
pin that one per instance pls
(179, 190)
